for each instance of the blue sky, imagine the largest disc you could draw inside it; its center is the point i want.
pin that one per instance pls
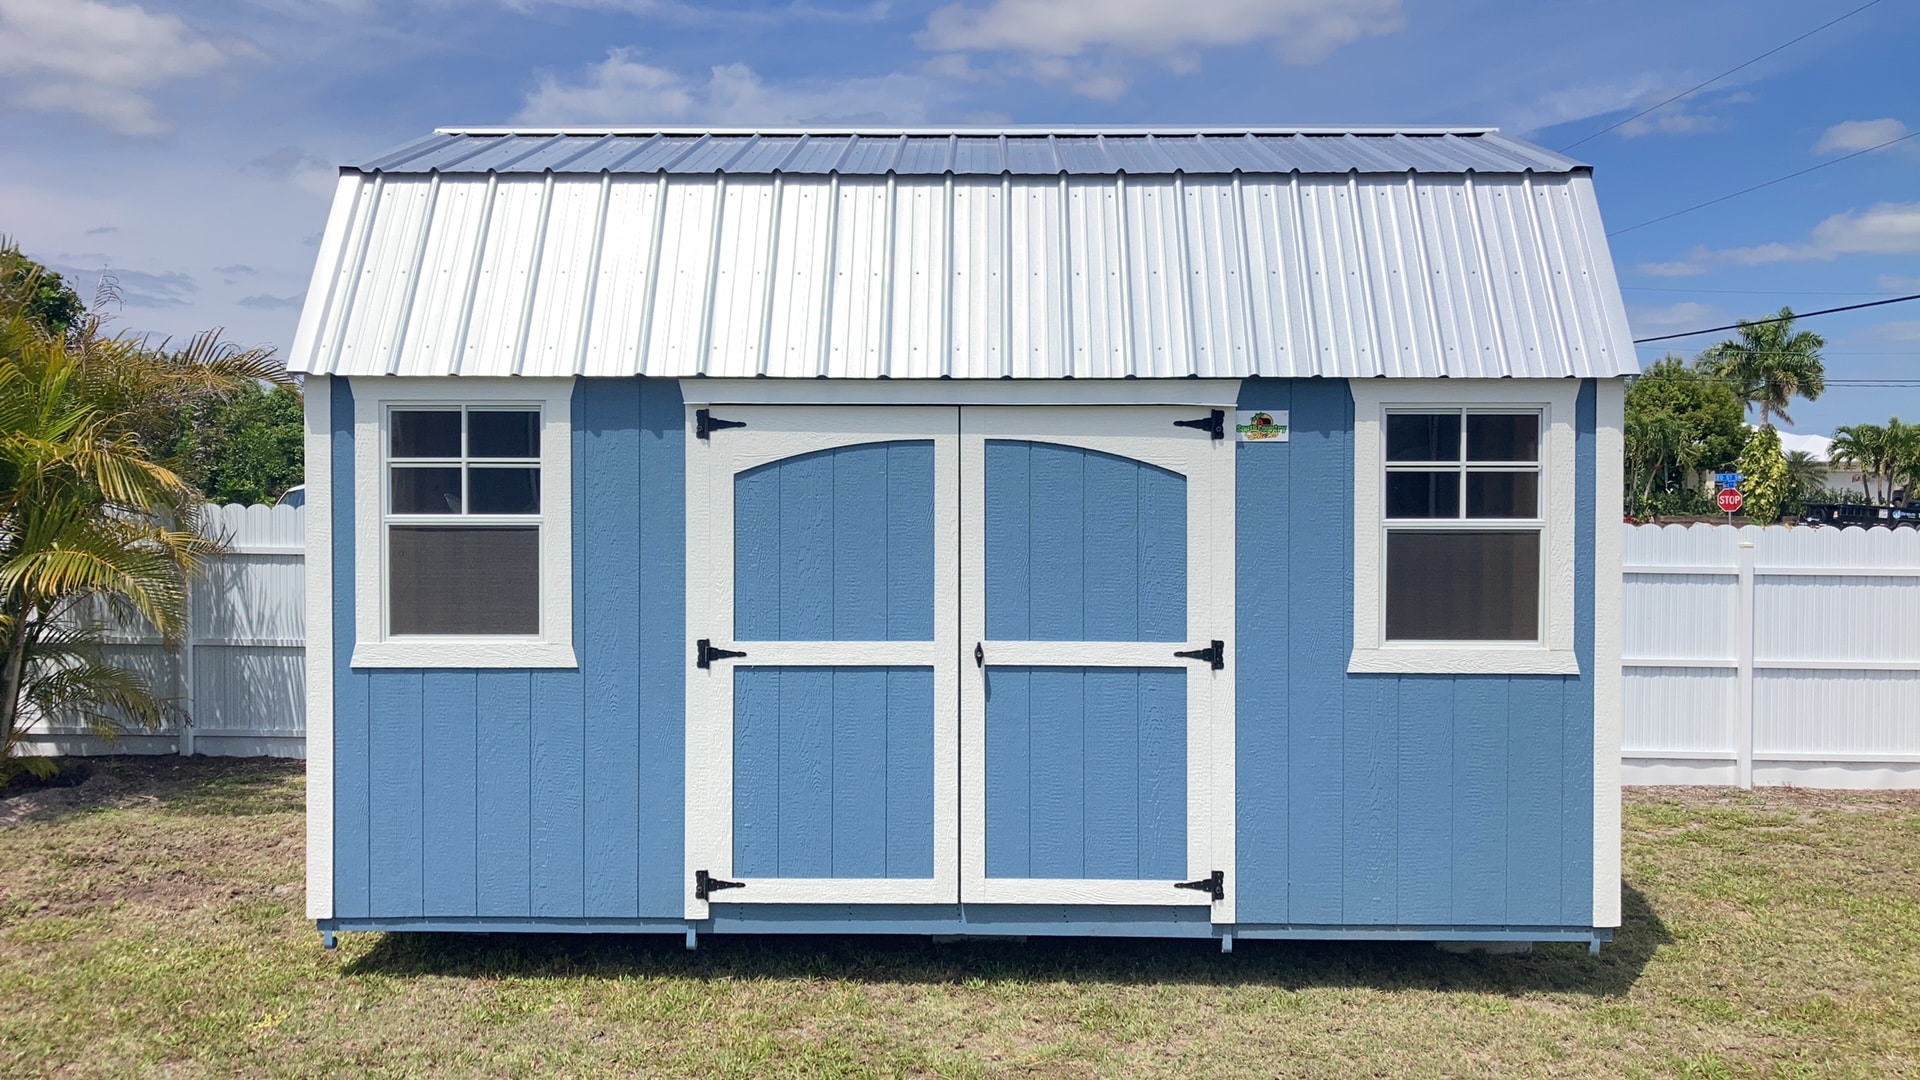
(191, 147)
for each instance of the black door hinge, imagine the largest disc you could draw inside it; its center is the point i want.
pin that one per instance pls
(1214, 654)
(1214, 422)
(704, 654)
(705, 884)
(705, 423)
(1214, 885)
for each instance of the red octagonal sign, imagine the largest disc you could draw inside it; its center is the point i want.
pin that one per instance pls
(1730, 500)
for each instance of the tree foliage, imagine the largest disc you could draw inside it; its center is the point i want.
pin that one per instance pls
(40, 293)
(91, 524)
(246, 447)
(1764, 477)
(1680, 420)
(1888, 456)
(1770, 364)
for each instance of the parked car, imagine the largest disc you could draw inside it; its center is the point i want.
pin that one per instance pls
(1860, 514)
(293, 496)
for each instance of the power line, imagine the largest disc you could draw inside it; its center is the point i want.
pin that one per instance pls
(1778, 318)
(1757, 187)
(1755, 292)
(1717, 78)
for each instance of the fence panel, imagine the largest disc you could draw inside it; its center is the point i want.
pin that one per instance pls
(237, 684)
(1772, 656)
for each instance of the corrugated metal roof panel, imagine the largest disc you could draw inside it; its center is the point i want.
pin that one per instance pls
(1028, 276)
(1020, 151)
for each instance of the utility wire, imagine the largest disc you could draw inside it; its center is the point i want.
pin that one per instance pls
(1757, 292)
(1757, 187)
(1779, 318)
(1717, 78)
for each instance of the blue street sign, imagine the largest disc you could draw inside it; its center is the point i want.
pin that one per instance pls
(1728, 479)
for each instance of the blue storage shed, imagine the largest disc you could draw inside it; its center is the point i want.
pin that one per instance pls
(1182, 533)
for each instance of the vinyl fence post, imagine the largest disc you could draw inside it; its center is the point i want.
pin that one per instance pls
(1743, 693)
(186, 677)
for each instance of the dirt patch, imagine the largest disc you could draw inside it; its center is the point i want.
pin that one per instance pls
(98, 790)
(1776, 798)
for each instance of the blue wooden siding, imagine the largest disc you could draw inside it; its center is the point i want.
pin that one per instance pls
(1086, 773)
(1391, 800)
(1083, 546)
(532, 793)
(836, 546)
(833, 772)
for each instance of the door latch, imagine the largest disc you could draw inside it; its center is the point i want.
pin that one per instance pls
(705, 884)
(1214, 885)
(979, 654)
(1214, 424)
(704, 654)
(1215, 654)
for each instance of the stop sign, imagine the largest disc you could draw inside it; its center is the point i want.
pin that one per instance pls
(1729, 500)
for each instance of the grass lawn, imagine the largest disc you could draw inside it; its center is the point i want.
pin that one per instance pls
(151, 923)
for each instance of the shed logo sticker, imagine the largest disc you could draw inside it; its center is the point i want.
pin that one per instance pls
(1260, 426)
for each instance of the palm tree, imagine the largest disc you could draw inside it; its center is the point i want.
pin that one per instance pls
(1806, 475)
(1903, 457)
(1863, 447)
(90, 524)
(1770, 365)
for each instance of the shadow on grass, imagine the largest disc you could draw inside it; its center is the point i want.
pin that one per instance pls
(209, 786)
(1558, 968)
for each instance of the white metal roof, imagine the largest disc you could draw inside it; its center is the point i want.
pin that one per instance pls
(1463, 275)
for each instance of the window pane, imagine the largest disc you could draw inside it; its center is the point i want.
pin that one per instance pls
(1423, 494)
(500, 433)
(1463, 586)
(429, 490)
(457, 580)
(1503, 437)
(503, 491)
(1423, 436)
(425, 433)
(1503, 494)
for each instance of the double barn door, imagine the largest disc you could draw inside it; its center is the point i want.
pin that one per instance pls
(959, 654)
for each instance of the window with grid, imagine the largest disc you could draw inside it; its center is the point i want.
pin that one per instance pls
(462, 521)
(1464, 524)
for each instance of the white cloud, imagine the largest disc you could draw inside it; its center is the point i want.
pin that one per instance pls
(1880, 229)
(1898, 283)
(100, 59)
(1301, 31)
(624, 90)
(1672, 318)
(1697, 263)
(1673, 119)
(1858, 135)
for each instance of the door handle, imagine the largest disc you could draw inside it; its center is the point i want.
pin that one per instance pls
(979, 654)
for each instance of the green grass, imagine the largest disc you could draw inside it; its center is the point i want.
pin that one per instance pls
(151, 923)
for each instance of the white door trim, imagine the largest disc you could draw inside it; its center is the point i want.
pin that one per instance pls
(774, 433)
(1144, 434)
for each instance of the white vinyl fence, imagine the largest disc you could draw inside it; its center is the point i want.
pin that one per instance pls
(239, 680)
(1753, 656)
(1772, 656)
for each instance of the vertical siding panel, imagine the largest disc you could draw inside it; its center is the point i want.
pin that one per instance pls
(1163, 556)
(1319, 592)
(1480, 799)
(661, 674)
(1370, 760)
(1425, 802)
(1056, 836)
(559, 801)
(756, 554)
(858, 771)
(394, 815)
(909, 520)
(1163, 773)
(607, 600)
(1576, 797)
(1009, 539)
(452, 849)
(857, 538)
(1111, 498)
(756, 772)
(806, 772)
(1057, 553)
(806, 548)
(909, 772)
(349, 686)
(506, 792)
(1009, 766)
(1260, 663)
(1536, 718)
(1112, 772)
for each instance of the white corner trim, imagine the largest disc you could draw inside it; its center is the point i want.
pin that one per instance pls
(554, 647)
(1219, 393)
(319, 569)
(1554, 654)
(1608, 635)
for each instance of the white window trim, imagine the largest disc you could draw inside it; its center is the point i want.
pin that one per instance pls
(1553, 653)
(553, 646)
